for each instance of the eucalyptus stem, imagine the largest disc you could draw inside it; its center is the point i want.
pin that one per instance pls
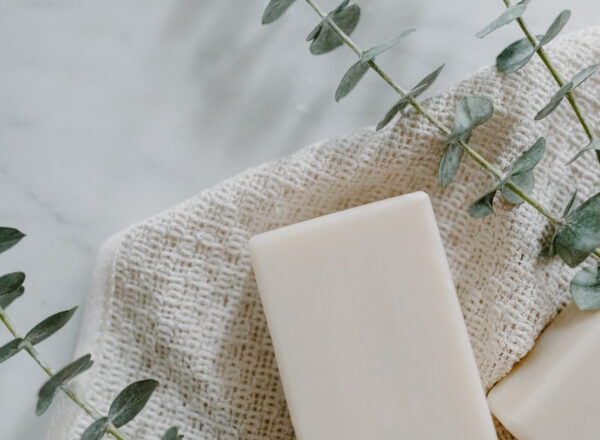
(85, 406)
(555, 74)
(436, 122)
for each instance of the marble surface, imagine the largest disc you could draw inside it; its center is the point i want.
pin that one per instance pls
(113, 111)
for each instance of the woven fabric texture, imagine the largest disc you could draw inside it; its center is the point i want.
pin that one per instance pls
(179, 302)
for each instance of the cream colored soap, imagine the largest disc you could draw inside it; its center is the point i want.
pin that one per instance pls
(554, 392)
(367, 329)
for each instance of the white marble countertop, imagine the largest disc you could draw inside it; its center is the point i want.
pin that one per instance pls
(114, 111)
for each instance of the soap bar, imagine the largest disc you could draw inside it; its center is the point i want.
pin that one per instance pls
(367, 329)
(554, 392)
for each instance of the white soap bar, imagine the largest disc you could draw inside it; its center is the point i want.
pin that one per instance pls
(554, 392)
(367, 329)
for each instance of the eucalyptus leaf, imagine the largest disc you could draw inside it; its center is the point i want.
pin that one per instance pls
(557, 25)
(49, 389)
(351, 78)
(484, 205)
(371, 53)
(593, 145)
(525, 182)
(9, 350)
(515, 56)
(585, 74)
(577, 238)
(571, 205)
(327, 39)
(131, 401)
(96, 430)
(49, 326)
(585, 288)
(399, 107)
(449, 163)
(510, 14)
(527, 161)
(471, 111)
(9, 237)
(11, 287)
(275, 9)
(11, 281)
(172, 434)
(7, 299)
(554, 101)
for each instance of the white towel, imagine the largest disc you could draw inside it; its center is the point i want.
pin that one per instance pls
(175, 299)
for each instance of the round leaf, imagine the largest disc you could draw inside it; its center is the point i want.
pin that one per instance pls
(557, 25)
(49, 326)
(510, 14)
(580, 235)
(351, 78)
(515, 56)
(327, 39)
(471, 111)
(484, 205)
(9, 237)
(585, 288)
(275, 9)
(96, 430)
(525, 182)
(131, 401)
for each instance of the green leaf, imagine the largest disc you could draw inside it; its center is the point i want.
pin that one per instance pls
(9, 350)
(8, 298)
(527, 161)
(327, 39)
(351, 78)
(172, 434)
(370, 54)
(399, 107)
(275, 9)
(573, 203)
(580, 235)
(131, 401)
(49, 326)
(9, 237)
(96, 430)
(554, 101)
(449, 163)
(11, 281)
(510, 14)
(515, 56)
(11, 287)
(484, 205)
(593, 145)
(525, 181)
(585, 74)
(471, 111)
(49, 389)
(557, 25)
(585, 288)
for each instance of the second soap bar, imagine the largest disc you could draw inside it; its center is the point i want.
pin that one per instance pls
(367, 329)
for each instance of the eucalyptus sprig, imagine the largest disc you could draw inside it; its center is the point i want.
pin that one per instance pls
(518, 54)
(124, 408)
(577, 231)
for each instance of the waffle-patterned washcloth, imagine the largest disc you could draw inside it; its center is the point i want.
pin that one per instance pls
(174, 297)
